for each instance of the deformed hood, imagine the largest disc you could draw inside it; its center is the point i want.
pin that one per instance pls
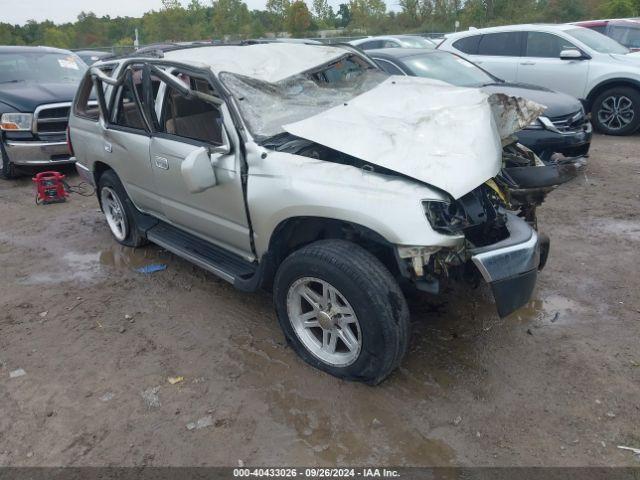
(449, 137)
(558, 104)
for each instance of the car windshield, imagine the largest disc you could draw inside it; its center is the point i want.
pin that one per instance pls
(596, 41)
(448, 68)
(415, 42)
(42, 67)
(267, 107)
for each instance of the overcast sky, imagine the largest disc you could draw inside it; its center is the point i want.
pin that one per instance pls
(60, 11)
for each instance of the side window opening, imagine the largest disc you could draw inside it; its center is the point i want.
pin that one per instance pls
(343, 70)
(468, 45)
(373, 44)
(546, 45)
(389, 67)
(128, 112)
(191, 117)
(600, 29)
(504, 44)
(86, 105)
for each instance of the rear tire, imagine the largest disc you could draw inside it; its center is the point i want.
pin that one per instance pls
(119, 211)
(617, 111)
(357, 330)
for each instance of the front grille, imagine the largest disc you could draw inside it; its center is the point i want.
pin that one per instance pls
(51, 119)
(570, 123)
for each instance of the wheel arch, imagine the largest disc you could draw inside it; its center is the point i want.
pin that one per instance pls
(608, 84)
(294, 233)
(99, 168)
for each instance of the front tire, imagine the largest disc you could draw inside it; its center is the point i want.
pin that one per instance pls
(617, 111)
(7, 169)
(118, 211)
(342, 311)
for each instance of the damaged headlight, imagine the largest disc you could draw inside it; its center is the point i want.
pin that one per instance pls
(479, 215)
(447, 218)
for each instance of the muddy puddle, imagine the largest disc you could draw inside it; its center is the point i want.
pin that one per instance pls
(548, 309)
(334, 421)
(94, 266)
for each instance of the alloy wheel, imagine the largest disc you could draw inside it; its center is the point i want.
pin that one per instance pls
(114, 213)
(616, 112)
(324, 321)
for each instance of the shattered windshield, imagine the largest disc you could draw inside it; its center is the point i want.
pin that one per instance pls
(266, 107)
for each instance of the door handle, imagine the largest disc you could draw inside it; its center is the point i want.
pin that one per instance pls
(161, 162)
(528, 63)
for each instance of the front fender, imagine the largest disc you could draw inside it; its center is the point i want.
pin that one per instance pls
(284, 186)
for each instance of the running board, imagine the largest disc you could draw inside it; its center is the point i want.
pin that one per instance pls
(220, 262)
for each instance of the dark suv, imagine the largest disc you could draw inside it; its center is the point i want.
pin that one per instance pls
(37, 86)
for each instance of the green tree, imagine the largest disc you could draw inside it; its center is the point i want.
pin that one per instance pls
(619, 9)
(231, 17)
(367, 15)
(323, 14)
(298, 20)
(56, 37)
(565, 11)
(409, 13)
(198, 20)
(278, 10)
(344, 15)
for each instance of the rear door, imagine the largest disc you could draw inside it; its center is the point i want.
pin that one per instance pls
(126, 142)
(543, 66)
(183, 125)
(499, 53)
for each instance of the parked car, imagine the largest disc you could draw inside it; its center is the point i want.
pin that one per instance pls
(37, 85)
(564, 128)
(574, 60)
(306, 170)
(393, 41)
(92, 56)
(625, 31)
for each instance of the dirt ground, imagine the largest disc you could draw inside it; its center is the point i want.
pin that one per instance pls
(557, 383)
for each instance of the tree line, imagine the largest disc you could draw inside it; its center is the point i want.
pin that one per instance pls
(232, 19)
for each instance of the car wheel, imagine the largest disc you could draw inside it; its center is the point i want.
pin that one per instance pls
(7, 169)
(617, 111)
(342, 311)
(118, 210)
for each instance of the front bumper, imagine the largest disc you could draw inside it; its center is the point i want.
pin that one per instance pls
(546, 142)
(37, 153)
(511, 265)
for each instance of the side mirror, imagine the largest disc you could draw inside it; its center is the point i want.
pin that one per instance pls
(197, 172)
(571, 54)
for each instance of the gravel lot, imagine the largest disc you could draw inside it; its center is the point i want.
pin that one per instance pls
(557, 383)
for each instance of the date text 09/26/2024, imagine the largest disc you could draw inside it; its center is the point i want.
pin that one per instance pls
(316, 472)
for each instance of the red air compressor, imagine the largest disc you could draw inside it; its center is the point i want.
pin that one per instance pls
(50, 188)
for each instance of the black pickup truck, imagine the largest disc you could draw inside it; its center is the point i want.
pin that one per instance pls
(37, 86)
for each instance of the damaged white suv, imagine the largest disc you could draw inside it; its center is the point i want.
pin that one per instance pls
(306, 170)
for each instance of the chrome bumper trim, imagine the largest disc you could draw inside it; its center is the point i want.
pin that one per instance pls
(36, 153)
